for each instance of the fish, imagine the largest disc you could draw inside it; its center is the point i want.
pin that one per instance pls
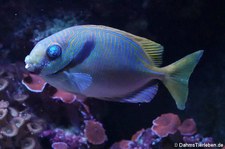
(109, 64)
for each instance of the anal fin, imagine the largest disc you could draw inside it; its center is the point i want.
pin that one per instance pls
(143, 95)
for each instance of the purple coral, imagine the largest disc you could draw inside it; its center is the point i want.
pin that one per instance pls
(60, 136)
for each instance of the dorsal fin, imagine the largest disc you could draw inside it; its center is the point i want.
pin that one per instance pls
(151, 48)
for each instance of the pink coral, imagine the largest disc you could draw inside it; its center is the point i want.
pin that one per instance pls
(188, 127)
(59, 145)
(94, 132)
(34, 83)
(64, 96)
(166, 124)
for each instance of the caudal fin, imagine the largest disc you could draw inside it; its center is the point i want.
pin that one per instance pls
(177, 77)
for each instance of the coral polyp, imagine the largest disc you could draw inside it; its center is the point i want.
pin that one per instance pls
(15, 116)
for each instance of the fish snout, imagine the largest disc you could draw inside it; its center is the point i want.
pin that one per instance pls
(32, 66)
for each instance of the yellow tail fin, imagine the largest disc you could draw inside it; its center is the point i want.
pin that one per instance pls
(177, 77)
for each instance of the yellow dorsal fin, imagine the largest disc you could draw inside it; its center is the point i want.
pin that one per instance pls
(151, 48)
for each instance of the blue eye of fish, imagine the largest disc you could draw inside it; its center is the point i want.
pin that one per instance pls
(54, 51)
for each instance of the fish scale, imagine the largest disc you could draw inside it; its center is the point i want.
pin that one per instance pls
(126, 67)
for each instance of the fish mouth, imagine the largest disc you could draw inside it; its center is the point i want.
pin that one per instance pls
(29, 67)
(32, 66)
(33, 69)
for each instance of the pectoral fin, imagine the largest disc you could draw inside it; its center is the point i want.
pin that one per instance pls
(81, 80)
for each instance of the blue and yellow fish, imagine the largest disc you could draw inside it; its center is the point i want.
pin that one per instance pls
(109, 64)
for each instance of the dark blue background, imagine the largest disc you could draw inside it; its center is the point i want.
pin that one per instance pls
(182, 27)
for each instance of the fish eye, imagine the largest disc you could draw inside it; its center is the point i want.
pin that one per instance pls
(54, 51)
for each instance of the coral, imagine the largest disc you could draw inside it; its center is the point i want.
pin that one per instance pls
(87, 132)
(3, 84)
(188, 127)
(94, 132)
(19, 127)
(166, 124)
(91, 132)
(64, 96)
(59, 145)
(153, 138)
(34, 83)
(20, 97)
(29, 143)
(60, 137)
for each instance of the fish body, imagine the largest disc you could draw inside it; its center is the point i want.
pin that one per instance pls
(109, 64)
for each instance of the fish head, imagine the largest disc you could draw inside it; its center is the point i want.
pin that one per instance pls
(50, 55)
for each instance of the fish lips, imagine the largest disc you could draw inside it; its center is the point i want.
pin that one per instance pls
(33, 67)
